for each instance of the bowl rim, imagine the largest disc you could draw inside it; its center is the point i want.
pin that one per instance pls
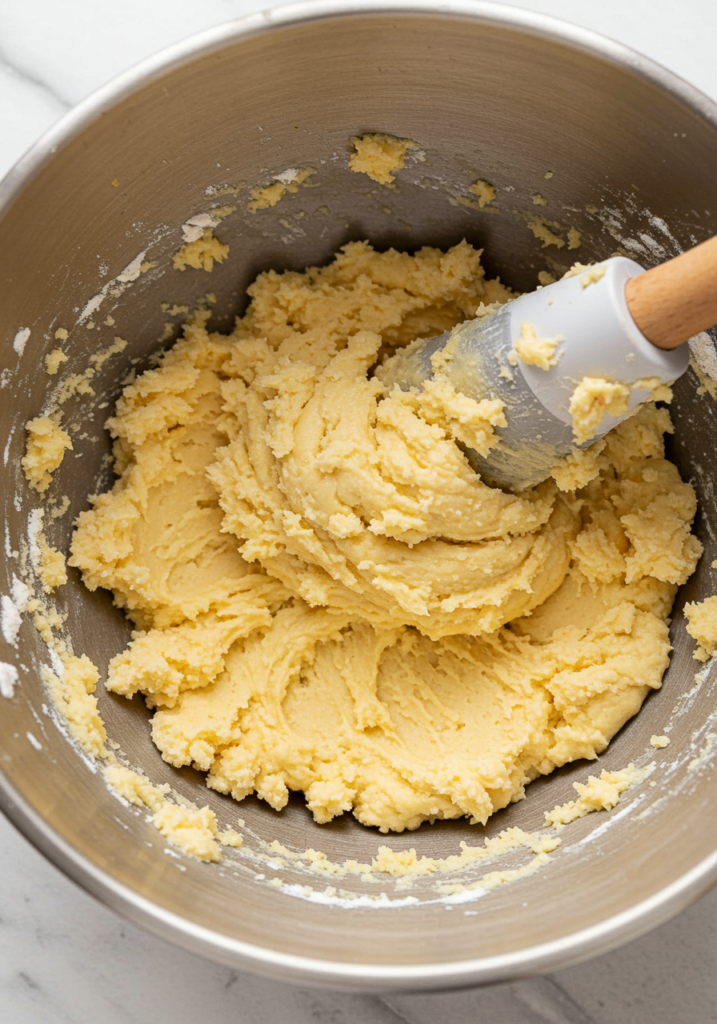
(366, 977)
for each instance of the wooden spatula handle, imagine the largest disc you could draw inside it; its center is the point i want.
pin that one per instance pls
(673, 302)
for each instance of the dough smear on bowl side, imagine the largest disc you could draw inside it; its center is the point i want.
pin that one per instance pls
(329, 600)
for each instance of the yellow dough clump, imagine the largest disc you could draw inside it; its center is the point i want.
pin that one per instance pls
(54, 359)
(484, 190)
(544, 231)
(263, 198)
(702, 626)
(593, 399)
(47, 443)
(593, 275)
(192, 829)
(535, 351)
(597, 794)
(379, 156)
(50, 565)
(72, 688)
(201, 253)
(329, 600)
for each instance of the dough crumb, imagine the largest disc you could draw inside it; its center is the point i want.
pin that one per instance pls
(47, 443)
(660, 741)
(263, 198)
(484, 190)
(49, 564)
(379, 155)
(406, 864)
(61, 334)
(79, 383)
(544, 231)
(201, 254)
(135, 787)
(575, 239)
(575, 269)
(593, 275)
(545, 278)
(539, 200)
(533, 350)
(702, 626)
(469, 202)
(98, 359)
(58, 510)
(231, 838)
(54, 359)
(659, 391)
(72, 690)
(45, 619)
(578, 468)
(194, 228)
(542, 847)
(76, 384)
(592, 400)
(191, 829)
(597, 794)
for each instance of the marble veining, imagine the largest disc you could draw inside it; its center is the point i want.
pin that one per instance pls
(8, 66)
(65, 959)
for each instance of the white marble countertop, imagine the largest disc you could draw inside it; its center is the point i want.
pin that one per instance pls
(65, 958)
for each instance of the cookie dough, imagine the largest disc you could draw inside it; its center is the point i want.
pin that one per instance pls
(379, 155)
(593, 399)
(193, 829)
(48, 562)
(47, 443)
(263, 198)
(329, 600)
(535, 351)
(484, 190)
(597, 794)
(201, 253)
(702, 626)
(54, 360)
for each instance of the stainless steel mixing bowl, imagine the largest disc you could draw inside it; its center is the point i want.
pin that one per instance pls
(486, 91)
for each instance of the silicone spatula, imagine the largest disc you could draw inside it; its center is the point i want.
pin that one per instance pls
(613, 323)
